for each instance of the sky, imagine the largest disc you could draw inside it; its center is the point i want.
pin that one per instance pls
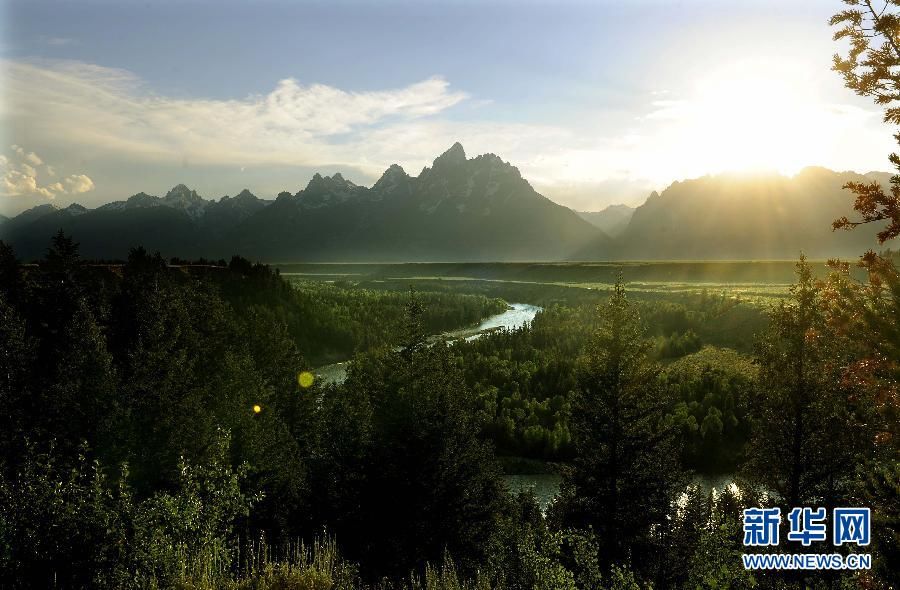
(595, 102)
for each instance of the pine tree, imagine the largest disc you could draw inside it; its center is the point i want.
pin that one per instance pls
(806, 437)
(626, 473)
(870, 68)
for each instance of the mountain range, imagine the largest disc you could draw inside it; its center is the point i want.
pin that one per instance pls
(466, 209)
(457, 209)
(745, 216)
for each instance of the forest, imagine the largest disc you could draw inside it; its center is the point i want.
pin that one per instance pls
(159, 433)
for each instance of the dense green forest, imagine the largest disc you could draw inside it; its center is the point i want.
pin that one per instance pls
(525, 378)
(156, 433)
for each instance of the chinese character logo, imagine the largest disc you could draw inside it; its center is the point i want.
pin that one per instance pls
(851, 525)
(761, 526)
(807, 525)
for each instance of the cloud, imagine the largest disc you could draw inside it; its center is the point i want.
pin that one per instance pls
(110, 114)
(108, 110)
(16, 183)
(20, 177)
(78, 183)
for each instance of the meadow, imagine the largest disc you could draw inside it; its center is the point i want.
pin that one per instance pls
(758, 281)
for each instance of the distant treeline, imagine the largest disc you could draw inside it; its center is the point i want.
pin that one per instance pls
(701, 271)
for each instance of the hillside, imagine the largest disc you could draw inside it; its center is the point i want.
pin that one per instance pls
(611, 220)
(734, 216)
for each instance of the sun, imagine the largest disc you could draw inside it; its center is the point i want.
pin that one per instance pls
(747, 117)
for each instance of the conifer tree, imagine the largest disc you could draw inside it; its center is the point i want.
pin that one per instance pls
(626, 473)
(806, 436)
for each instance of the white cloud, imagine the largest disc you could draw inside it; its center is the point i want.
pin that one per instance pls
(20, 178)
(78, 183)
(27, 158)
(15, 183)
(108, 110)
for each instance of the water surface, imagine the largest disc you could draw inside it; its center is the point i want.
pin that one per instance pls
(544, 486)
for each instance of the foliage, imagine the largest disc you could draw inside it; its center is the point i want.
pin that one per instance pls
(713, 409)
(412, 451)
(158, 435)
(625, 474)
(73, 527)
(870, 68)
(525, 378)
(341, 319)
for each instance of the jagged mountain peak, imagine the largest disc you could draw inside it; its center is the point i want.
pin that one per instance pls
(394, 174)
(462, 209)
(393, 170)
(489, 157)
(181, 193)
(324, 191)
(142, 199)
(455, 156)
(323, 184)
(76, 209)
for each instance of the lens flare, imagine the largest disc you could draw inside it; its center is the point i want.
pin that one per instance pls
(305, 379)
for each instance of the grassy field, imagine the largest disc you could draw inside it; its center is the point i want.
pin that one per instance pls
(754, 281)
(715, 272)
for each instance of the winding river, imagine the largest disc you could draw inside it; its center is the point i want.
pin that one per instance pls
(515, 316)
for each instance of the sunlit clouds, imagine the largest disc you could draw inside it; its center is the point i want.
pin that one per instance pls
(26, 175)
(109, 110)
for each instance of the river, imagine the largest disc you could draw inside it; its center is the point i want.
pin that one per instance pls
(545, 486)
(516, 316)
